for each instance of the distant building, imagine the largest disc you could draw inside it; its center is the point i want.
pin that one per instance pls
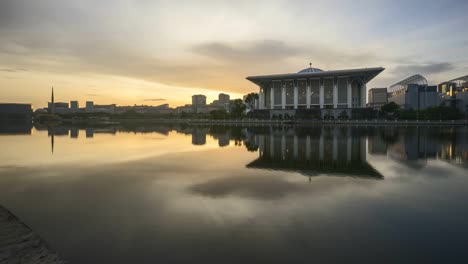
(198, 100)
(89, 106)
(224, 101)
(223, 98)
(74, 106)
(414, 93)
(15, 111)
(58, 108)
(104, 108)
(455, 93)
(198, 103)
(188, 109)
(377, 97)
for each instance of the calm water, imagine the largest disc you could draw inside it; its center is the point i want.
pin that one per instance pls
(179, 194)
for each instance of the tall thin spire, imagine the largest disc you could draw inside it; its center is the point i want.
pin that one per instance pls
(52, 141)
(52, 103)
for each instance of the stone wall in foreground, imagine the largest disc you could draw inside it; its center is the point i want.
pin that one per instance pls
(19, 244)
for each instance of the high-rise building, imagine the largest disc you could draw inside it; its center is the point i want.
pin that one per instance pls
(377, 97)
(74, 106)
(89, 106)
(223, 98)
(198, 102)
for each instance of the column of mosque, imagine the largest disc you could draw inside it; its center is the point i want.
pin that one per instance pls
(283, 97)
(349, 99)
(363, 148)
(272, 98)
(283, 146)
(272, 146)
(308, 94)
(363, 95)
(261, 143)
(335, 144)
(261, 99)
(321, 144)
(335, 93)
(321, 94)
(296, 147)
(296, 96)
(348, 144)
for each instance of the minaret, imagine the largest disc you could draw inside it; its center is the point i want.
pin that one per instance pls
(52, 105)
(52, 140)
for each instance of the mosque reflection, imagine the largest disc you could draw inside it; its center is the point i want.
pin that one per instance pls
(315, 151)
(337, 150)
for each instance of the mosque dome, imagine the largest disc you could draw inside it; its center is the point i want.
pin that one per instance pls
(310, 70)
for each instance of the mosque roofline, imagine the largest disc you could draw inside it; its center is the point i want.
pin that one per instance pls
(354, 169)
(369, 74)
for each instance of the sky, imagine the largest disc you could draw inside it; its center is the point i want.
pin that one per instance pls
(155, 52)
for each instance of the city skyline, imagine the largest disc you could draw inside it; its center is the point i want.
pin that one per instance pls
(139, 52)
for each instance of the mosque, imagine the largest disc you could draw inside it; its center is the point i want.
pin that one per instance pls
(332, 92)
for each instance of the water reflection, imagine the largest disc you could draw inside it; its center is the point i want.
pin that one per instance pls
(173, 193)
(308, 150)
(15, 127)
(315, 151)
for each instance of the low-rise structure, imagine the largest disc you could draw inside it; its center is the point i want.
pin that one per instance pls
(377, 97)
(455, 93)
(15, 111)
(414, 93)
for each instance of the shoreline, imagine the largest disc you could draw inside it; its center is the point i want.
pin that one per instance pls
(258, 122)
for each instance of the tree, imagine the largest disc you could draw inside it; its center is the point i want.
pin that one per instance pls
(250, 98)
(219, 114)
(391, 107)
(343, 115)
(237, 108)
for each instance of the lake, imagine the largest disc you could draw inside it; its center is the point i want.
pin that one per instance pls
(197, 194)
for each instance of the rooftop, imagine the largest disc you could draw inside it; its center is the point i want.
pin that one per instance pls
(367, 74)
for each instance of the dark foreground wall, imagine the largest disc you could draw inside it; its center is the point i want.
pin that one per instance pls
(19, 244)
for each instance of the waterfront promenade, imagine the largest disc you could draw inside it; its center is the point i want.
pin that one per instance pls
(254, 122)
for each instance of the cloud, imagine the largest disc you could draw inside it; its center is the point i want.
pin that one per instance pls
(425, 69)
(14, 70)
(250, 187)
(154, 100)
(260, 50)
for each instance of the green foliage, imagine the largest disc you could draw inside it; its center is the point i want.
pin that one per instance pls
(237, 108)
(343, 115)
(219, 114)
(391, 107)
(251, 97)
(433, 113)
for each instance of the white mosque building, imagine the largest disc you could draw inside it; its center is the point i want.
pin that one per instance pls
(312, 88)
